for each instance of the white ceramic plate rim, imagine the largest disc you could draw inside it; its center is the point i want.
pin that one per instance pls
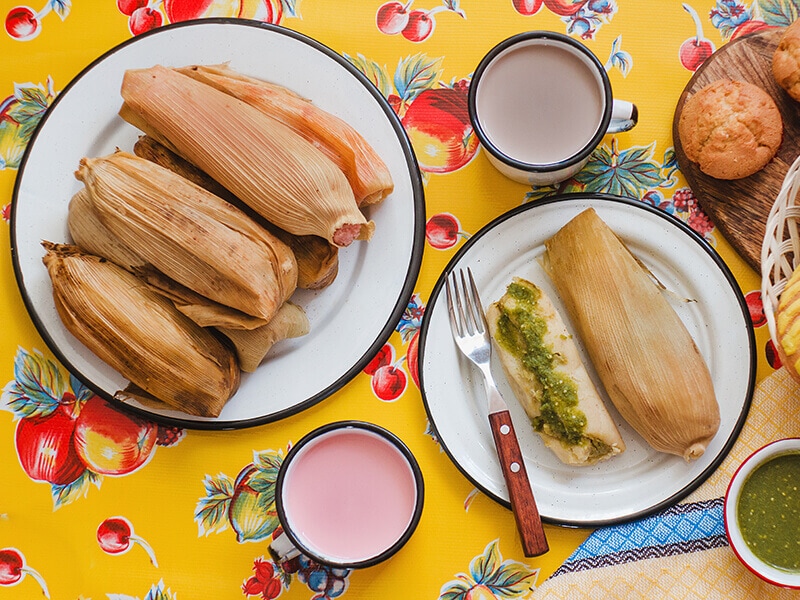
(641, 480)
(350, 320)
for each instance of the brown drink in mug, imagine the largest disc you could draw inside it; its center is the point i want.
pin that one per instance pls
(540, 103)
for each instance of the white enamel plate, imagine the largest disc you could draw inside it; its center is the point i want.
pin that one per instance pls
(350, 320)
(639, 481)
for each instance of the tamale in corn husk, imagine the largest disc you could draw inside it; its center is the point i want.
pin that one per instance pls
(139, 333)
(253, 346)
(91, 236)
(645, 357)
(548, 377)
(89, 233)
(365, 170)
(317, 259)
(189, 234)
(276, 172)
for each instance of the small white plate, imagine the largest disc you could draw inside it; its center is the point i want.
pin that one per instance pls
(350, 320)
(641, 480)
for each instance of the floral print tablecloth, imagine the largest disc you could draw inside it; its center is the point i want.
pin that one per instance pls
(95, 503)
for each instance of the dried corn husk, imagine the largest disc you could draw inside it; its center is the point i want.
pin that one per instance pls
(640, 348)
(190, 235)
(365, 170)
(254, 345)
(317, 259)
(265, 164)
(92, 236)
(140, 333)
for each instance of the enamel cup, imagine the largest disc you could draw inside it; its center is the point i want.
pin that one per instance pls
(540, 102)
(348, 495)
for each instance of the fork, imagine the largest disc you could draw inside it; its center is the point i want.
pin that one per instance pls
(470, 331)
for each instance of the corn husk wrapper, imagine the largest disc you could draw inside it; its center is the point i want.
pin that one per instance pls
(645, 357)
(253, 346)
(139, 333)
(89, 233)
(190, 235)
(553, 350)
(276, 172)
(91, 236)
(317, 259)
(365, 170)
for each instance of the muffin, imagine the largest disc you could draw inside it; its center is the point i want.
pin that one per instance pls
(731, 129)
(786, 61)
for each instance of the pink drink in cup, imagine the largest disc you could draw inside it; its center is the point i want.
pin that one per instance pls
(349, 495)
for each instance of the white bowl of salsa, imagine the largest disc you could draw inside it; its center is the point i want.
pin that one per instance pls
(762, 513)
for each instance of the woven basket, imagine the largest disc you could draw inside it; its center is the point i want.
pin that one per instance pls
(780, 252)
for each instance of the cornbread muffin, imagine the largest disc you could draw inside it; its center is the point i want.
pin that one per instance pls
(786, 61)
(731, 129)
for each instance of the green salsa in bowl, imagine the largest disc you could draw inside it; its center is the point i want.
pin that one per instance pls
(762, 513)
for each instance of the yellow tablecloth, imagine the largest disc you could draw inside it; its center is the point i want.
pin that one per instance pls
(194, 521)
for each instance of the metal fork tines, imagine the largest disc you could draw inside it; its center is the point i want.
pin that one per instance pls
(471, 333)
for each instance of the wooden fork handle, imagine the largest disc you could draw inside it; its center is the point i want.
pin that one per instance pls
(523, 505)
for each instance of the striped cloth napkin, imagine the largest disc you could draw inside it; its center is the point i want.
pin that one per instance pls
(682, 552)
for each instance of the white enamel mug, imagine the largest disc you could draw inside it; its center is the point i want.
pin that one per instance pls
(540, 102)
(349, 495)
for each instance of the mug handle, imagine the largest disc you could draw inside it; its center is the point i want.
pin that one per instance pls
(282, 550)
(624, 116)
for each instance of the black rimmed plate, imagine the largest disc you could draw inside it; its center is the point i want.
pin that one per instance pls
(350, 320)
(640, 481)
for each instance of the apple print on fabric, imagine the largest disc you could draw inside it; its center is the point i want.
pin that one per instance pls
(144, 15)
(23, 23)
(246, 504)
(582, 17)
(415, 25)
(434, 114)
(13, 571)
(68, 437)
(491, 578)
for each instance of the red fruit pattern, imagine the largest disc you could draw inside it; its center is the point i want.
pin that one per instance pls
(144, 15)
(755, 307)
(695, 50)
(115, 536)
(68, 437)
(389, 381)
(415, 25)
(13, 570)
(443, 230)
(266, 580)
(582, 17)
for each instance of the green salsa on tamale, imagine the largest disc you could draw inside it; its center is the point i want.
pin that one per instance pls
(545, 371)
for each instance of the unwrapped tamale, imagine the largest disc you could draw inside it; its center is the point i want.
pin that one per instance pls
(645, 357)
(548, 377)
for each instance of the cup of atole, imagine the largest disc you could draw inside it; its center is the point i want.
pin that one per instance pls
(540, 102)
(349, 495)
(762, 513)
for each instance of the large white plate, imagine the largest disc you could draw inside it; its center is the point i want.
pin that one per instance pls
(350, 320)
(640, 480)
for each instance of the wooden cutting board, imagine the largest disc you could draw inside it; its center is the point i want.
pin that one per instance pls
(739, 208)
